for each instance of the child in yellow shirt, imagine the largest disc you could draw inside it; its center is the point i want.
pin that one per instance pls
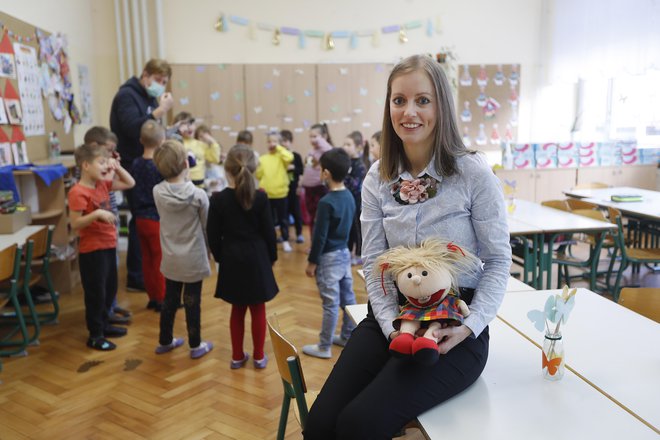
(206, 149)
(274, 179)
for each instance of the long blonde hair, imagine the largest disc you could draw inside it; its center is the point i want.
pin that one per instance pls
(241, 164)
(432, 254)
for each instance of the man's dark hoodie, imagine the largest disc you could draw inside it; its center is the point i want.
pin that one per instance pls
(131, 108)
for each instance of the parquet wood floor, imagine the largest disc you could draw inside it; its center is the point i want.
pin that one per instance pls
(63, 390)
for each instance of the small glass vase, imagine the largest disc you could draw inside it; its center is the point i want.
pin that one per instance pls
(553, 356)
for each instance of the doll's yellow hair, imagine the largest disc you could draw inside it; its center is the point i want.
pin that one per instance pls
(431, 254)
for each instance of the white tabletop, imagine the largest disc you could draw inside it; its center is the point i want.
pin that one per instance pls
(649, 206)
(615, 349)
(358, 312)
(511, 400)
(19, 236)
(554, 220)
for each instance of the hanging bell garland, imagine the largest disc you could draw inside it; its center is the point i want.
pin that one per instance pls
(329, 42)
(221, 24)
(277, 37)
(403, 38)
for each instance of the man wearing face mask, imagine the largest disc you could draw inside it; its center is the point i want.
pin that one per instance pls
(138, 100)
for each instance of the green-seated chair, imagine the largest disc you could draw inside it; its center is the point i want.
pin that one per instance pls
(14, 334)
(293, 380)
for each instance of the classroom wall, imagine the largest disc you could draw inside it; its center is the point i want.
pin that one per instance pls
(479, 31)
(90, 28)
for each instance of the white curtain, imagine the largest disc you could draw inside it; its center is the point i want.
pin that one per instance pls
(602, 38)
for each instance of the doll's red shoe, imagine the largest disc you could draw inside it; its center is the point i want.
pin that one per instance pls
(402, 345)
(425, 351)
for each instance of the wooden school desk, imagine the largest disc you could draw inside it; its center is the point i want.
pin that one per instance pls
(19, 236)
(551, 223)
(611, 347)
(648, 208)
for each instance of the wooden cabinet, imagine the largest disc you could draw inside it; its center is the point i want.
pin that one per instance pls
(637, 176)
(539, 185)
(49, 207)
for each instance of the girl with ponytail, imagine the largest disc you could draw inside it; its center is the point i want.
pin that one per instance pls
(241, 237)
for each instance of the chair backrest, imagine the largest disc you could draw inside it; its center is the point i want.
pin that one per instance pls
(284, 350)
(9, 263)
(580, 204)
(591, 185)
(613, 213)
(644, 300)
(591, 213)
(557, 204)
(41, 241)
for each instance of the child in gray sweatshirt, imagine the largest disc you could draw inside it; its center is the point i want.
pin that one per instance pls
(183, 210)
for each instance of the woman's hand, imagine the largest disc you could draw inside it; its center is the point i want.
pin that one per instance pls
(449, 337)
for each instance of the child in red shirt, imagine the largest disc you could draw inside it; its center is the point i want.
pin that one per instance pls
(91, 217)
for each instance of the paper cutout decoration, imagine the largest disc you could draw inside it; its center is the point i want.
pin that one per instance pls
(200, 69)
(5, 149)
(466, 114)
(276, 72)
(482, 78)
(331, 88)
(73, 111)
(513, 96)
(18, 146)
(3, 112)
(515, 76)
(7, 62)
(13, 104)
(215, 96)
(268, 85)
(56, 108)
(258, 109)
(466, 79)
(467, 141)
(495, 135)
(490, 108)
(184, 101)
(481, 136)
(482, 98)
(498, 79)
(307, 93)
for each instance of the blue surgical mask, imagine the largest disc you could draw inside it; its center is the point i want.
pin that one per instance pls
(155, 89)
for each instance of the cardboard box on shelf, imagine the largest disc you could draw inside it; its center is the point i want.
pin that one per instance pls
(10, 223)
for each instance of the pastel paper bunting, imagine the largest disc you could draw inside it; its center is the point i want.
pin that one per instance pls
(239, 20)
(302, 43)
(265, 27)
(413, 24)
(429, 28)
(391, 29)
(354, 40)
(340, 34)
(314, 34)
(290, 31)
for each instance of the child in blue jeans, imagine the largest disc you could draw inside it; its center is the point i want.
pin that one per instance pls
(330, 260)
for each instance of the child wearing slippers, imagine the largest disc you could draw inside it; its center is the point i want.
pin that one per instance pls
(183, 210)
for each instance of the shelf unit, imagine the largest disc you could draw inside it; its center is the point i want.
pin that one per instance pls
(49, 207)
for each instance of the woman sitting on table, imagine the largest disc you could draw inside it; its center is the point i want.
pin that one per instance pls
(369, 394)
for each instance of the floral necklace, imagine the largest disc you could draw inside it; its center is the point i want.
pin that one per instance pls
(410, 192)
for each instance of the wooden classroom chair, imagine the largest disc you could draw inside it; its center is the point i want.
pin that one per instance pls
(574, 204)
(591, 185)
(642, 300)
(10, 265)
(39, 271)
(293, 379)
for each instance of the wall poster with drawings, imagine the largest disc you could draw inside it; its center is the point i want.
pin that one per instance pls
(29, 87)
(488, 101)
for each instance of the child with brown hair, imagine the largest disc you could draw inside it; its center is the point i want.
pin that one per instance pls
(90, 216)
(242, 239)
(147, 221)
(214, 178)
(183, 209)
(206, 150)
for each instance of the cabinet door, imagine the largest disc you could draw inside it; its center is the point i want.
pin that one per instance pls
(551, 184)
(606, 175)
(638, 176)
(524, 182)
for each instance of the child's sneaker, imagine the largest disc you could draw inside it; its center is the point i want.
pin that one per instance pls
(176, 342)
(235, 365)
(316, 351)
(101, 344)
(260, 364)
(338, 340)
(300, 239)
(286, 247)
(198, 352)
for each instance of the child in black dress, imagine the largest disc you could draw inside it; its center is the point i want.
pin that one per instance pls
(241, 236)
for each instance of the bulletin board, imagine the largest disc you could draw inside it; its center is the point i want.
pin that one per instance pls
(215, 94)
(352, 97)
(263, 97)
(280, 96)
(14, 31)
(488, 102)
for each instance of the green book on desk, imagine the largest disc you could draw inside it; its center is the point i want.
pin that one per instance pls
(626, 198)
